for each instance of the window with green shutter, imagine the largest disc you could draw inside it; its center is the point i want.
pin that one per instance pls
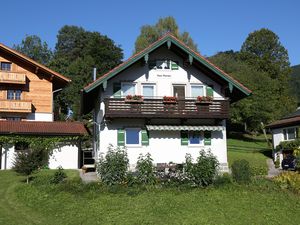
(207, 138)
(121, 137)
(145, 137)
(184, 138)
(117, 90)
(209, 92)
(174, 65)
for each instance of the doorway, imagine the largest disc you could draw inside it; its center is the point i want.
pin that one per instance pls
(179, 91)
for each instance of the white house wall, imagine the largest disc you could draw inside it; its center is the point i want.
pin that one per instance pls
(66, 156)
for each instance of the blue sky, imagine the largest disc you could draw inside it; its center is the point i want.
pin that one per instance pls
(215, 25)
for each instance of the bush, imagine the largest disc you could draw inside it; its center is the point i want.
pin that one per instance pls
(145, 171)
(203, 172)
(241, 171)
(28, 161)
(290, 180)
(223, 179)
(59, 176)
(113, 167)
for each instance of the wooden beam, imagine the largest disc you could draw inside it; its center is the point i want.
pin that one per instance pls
(36, 69)
(230, 87)
(191, 59)
(169, 43)
(104, 85)
(146, 58)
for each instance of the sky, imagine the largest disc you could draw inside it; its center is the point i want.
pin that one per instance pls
(215, 25)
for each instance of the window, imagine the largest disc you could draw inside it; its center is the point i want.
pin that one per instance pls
(132, 136)
(128, 89)
(197, 90)
(195, 138)
(163, 64)
(14, 94)
(289, 134)
(13, 118)
(6, 66)
(21, 146)
(148, 90)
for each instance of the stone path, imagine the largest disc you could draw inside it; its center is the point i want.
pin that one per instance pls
(272, 171)
(88, 177)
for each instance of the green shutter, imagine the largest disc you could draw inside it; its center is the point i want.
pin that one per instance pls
(184, 138)
(117, 90)
(121, 137)
(145, 137)
(174, 65)
(207, 138)
(209, 92)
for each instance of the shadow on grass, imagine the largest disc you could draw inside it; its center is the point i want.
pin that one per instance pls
(245, 137)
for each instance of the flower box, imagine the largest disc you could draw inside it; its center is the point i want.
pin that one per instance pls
(169, 99)
(134, 98)
(204, 100)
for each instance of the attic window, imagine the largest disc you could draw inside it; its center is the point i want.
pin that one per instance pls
(6, 66)
(164, 64)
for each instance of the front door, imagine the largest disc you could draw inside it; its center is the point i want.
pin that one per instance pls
(179, 92)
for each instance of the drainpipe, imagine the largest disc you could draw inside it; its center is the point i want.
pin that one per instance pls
(95, 150)
(0, 156)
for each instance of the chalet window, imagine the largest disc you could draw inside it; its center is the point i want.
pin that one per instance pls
(128, 89)
(21, 146)
(14, 94)
(132, 136)
(290, 133)
(148, 90)
(13, 118)
(163, 64)
(6, 66)
(195, 138)
(197, 90)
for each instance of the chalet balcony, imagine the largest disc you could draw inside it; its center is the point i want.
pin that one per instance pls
(15, 106)
(12, 77)
(158, 108)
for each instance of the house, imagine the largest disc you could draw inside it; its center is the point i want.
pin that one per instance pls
(166, 100)
(26, 107)
(285, 129)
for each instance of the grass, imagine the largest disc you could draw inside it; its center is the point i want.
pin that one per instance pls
(254, 149)
(75, 203)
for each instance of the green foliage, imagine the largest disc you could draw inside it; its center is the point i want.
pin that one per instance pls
(203, 172)
(113, 167)
(145, 170)
(150, 34)
(289, 180)
(288, 145)
(77, 52)
(27, 162)
(295, 82)
(59, 176)
(241, 171)
(223, 179)
(33, 47)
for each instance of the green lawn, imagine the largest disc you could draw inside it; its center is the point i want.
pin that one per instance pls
(74, 203)
(254, 150)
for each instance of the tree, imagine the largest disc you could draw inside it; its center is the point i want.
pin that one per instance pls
(261, 105)
(33, 47)
(28, 161)
(77, 51)
(263, 50)
(150, 34)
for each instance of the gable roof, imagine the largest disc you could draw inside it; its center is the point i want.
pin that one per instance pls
(291, 119)
(155, 45)
(42, 128)
(27, 60)
(170, 40)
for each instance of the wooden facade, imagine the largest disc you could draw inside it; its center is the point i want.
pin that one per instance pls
(26, 87)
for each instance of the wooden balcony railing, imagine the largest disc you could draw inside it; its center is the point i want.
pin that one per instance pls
(12, 77)
(157, 108)
(16, 106)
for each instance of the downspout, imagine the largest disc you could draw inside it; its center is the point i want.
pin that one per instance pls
(0, 156)
(95, 150)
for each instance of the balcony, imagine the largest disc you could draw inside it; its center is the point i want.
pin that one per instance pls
(157, 108)
(12, 77)
(15, 106)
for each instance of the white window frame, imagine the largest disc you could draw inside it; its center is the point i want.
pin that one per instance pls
(284, 131)
(140, 137)
(126, 83)
(199, 85)
(149, 84)
(179, 84)
(201, 139)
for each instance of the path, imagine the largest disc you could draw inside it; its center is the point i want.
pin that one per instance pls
(88, 177)
(272, 171)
